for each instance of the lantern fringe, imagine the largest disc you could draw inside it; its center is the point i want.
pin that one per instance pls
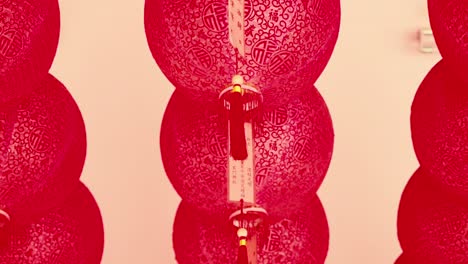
(242, 254)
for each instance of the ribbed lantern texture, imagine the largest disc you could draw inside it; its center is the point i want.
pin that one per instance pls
(287, 46)
(47, 216)
(433, 216)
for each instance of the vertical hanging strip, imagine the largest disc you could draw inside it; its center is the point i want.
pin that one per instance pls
(241, 185)
(252, 249)
(236, 25)
(241, 172)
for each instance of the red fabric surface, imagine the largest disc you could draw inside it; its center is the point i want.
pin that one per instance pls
(432, 223)
(439, 126)
(29, 33)
(288, 44)
(72, 234)
(301, 237)
(293, 149)
(42, 150)
(405, 258)
(449, 22)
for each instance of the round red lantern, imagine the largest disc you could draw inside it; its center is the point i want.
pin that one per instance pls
(42, 150)
(287, 45)
(29, 33)
(293, 149)
(432, 224)
(449, 22)
(301, 237)
(72, 233)
(439, 126)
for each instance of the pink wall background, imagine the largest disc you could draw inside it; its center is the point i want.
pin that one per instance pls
(369, 85)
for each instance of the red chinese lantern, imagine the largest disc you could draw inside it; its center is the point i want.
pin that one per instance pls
(301, 237)
(449, 22)
(29, 33)
(432, 224)
(287, 45)
(72, 233)
(439, 125)
(42, 150)
(293, 148)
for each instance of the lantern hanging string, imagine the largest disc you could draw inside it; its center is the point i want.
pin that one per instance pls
(242, 233)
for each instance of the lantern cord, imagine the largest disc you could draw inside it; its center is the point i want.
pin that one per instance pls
(237, 60)
(238, 144)
(242, 206)
(242, 254)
